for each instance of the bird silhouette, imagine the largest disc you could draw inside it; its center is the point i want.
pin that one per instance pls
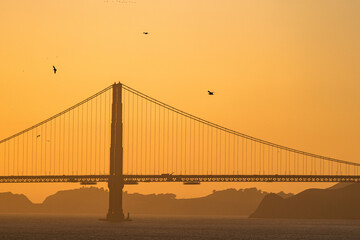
(38, 136)
(54, 69)
(210, 93)
(146, 33)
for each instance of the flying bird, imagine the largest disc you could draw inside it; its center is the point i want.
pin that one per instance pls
(210, 93)
(38, 136)
(146, 33)
(54, 69)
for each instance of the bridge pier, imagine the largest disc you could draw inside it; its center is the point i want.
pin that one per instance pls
(115, 213)
(116, 181)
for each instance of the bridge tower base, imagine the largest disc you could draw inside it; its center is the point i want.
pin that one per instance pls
(115, 212)
(116, 180)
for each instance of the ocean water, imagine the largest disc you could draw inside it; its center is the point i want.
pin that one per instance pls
(161, 227)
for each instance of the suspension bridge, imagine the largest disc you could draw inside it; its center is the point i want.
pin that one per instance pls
(122, 136)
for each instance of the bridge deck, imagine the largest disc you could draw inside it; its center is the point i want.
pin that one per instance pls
(133, 179)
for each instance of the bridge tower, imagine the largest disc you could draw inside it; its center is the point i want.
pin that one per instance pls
(116, 181)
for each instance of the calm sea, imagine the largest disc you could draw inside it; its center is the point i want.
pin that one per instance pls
(155, 227)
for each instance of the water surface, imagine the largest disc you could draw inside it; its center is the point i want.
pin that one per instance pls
(161, 227)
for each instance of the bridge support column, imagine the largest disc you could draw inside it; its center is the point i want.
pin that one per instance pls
(115, 212)
(116, 181)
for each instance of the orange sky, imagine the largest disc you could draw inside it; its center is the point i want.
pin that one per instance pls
(284, 71)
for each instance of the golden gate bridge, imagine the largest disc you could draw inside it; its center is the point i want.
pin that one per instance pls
(122, 136)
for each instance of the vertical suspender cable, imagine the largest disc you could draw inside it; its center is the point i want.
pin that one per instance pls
(16, 158)
(128, 161)
(87, 140)
(95, 136)
(237, 155)
(159, 143)
(82, 140)
(8, 157)
(50, 143)
(202, 149)
(141, 136)
(226, 152)
(58, 148)
(181, 145)
(155, 131)
(27, 154)
(242, 157)
(146, 137)
(194, 147)
(69, 132)
(150, 136)
(234, 154)
(100, 139)
(185, 140)
(73, 142)
(23, 155)
(220, 151)
(189, 147)
(132, 134)
(173, 163)
(169, 163)
(41, 149)
(163, 142)
(175, 137)
(199, 149)
(137, 135)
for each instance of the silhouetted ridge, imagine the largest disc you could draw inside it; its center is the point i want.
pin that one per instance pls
(94, 200)
(12, 203)
(83, 200)
(313, 203)
(226, 202)
(340, 185)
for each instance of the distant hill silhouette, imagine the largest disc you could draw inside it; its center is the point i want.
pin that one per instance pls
(12, 203)
(94, 200)
(340, 185)
(82, 200)
(227, 202)
(339, 201)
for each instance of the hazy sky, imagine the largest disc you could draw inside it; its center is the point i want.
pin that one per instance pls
(284, 71)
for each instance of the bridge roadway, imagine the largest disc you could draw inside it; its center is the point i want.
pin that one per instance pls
(186, 179)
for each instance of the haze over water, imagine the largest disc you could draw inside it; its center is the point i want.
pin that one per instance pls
(155, 227)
